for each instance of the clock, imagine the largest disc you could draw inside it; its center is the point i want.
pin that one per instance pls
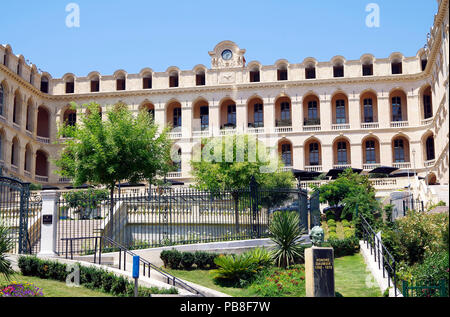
(227, 55)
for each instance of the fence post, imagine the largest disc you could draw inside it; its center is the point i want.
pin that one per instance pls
(49, 223)
(405, 289)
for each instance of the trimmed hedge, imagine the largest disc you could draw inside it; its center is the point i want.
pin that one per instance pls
(90, 277)
(175, 259)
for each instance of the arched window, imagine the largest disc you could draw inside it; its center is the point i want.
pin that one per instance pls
(430, 149)
(70, 118)
(255, 75)
(371, 157)
(258, 115)
(399, 151)
(231, 115)
(282, 72)
(120, 82)
(285, 112)
(95, 84)
(397, 67)
(44, 84)
(367, 68)
(2, 99)
(1, 146)
(200, 78)
(313, 113)
(204, 118)
(17, 108)
(147, 82)
(397, 109)
(41, 164)
(423, 63)
(314, 154)
(368, 110)
(176, 117)
(173, 79)
(286, 154)
(342, 158)
(341, 117)
(70, 85)
(338, 69)
(310, 72)
(427, 104)
(178, 163)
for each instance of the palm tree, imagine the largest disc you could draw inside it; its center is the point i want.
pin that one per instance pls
(285, 232)
(6, 244)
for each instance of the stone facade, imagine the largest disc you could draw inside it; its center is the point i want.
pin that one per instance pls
(319, 115)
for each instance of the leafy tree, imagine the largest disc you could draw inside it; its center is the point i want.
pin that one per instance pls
(121, 147)
(6, 244)
(354, 192)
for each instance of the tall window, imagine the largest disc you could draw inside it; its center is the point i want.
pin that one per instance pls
(399, 151)
(286, 154)
(231, 115)
(177, 117)
(338, 71)
(44, 84)
(341, 117)
(204, 117)
(282, 73)
(95, 85)
(430, 149)
(2, 99)
(120, 83)
(71, 119)
(368, 110)
(200, 79)
(367, 69)
(16, 106)
(178, 163)
(342, 153)
(151, 112)
(254, 76)
(173, 80)
(427, 108)
(147, 82)
(397, 109)
(424, 63)
(314, 159)
(396, 67)
(312, 110)
(370, 152)
(258, 115)
(310, 72)
(285, 112)
(1, 147)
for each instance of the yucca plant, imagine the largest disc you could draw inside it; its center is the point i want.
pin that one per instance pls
(262, 257)
(6, 244)
(285, 232)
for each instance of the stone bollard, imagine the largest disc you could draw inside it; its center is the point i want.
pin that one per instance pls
(49, 223)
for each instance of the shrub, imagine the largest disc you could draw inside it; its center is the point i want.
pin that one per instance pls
(235, 270)
(261, 256)
(174, 259)
(332, 229)
(187, 260)
(285, 232)
(331, 223)
(277, 282)
(434, 268)
(202, 259)
(90, 277)
(345, 223)
(344, 247)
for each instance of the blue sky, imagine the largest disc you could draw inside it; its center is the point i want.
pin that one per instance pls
(134, 34)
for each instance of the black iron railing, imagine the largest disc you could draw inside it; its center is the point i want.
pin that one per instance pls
(382, 256)
(103, 244)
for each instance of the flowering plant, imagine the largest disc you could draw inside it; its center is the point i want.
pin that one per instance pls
(20, 290)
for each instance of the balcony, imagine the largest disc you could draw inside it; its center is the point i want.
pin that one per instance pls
(43, 140)
(283, 126)
(27, 174)
(29, 133)
(370, 166)
(65, 180)
(315, 168)
(427, 121)
(399, 124)
(2, 119)
(174, 175)
(176, 133)
(201, 133)
(16, 126)
(286, 169)
(14, 168)
(255, 128)
(340, 126)
(342, 166)
(42, 179)
(228, 129)
(370, 125)
(429, 163)
(402, 165)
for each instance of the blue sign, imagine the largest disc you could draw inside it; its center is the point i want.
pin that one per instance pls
(136, 260)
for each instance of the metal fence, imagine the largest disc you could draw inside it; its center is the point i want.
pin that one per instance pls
(425, 290)
(169, 216)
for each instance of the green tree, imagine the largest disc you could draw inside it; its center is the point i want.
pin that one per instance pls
(121, 147)
(6, 244)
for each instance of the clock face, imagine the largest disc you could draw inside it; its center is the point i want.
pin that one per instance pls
(227, 55)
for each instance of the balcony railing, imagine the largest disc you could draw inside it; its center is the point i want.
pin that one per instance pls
(286, 169)
(14, 168)
(370, 166)
(16, 126)
(2, 119)
(341, 126)
(342, 166)
(314, 168)
(256, 130)
(65, 180)
(311, 128)
(27, 174)
(175, 135)
(402, 165)
(42, 179)
(429, 163)
(43, 140)
(200, 134)
(29, 133)
(399, 124)
(228, 131)
(311, 122)
(174, 175)
(426, 121)
(370, 125)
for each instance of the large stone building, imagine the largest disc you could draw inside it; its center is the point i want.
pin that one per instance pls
(320, 115)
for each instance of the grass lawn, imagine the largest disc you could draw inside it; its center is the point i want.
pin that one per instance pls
(351, 275)
(52, 288)
(350, 279)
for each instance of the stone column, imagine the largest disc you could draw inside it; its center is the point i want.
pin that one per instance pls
(241, 117)
(354, 114)
(49, 223)
(384, 111)
(325, 114)
(186, 119)
(297, 114)
(269, 116)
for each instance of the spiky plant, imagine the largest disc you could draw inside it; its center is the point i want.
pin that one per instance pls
(6, 244)
(285, 232)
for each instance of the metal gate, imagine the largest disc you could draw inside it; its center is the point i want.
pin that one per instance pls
(20, 216)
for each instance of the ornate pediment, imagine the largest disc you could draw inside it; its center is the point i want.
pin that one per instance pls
(227, 54)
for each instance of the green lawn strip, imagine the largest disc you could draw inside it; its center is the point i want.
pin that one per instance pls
(203, 278)
(52, 288)
(351, 276)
